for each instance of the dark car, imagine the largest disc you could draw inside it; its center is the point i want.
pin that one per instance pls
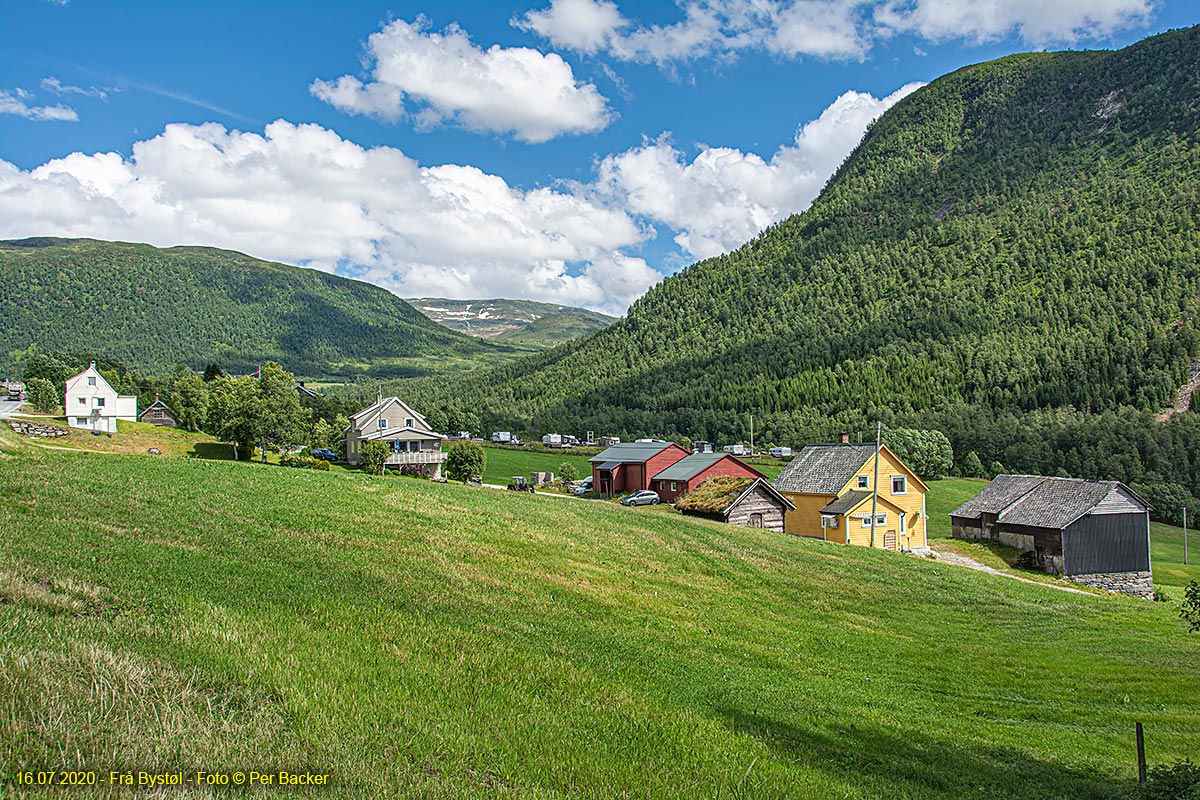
(324, 455)
(642, 498)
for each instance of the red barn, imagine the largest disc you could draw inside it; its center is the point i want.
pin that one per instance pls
(629, 466)
(686, 474)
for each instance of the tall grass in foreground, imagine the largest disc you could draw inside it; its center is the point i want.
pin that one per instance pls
(424, 640)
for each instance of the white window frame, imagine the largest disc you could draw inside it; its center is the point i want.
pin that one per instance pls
(864, 482)
(903, 478)
(829, 521)
(673, 486)
(880, 520)
(91, 380)
(409, 422)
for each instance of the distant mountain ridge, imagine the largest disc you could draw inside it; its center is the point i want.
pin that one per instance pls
(152, 308)
(524, 322)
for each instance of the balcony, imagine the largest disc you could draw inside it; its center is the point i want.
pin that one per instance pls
(417, 457)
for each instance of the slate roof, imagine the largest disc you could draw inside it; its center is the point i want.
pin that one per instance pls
(1057, 502)
(1037, 501)
(823, 468)
(998, 495)
(846, 502)
(630, 452)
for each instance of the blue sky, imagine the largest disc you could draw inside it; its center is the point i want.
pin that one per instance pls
(570, 151)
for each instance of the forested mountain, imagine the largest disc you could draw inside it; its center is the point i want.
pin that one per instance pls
(522, 322)
(1017, 238)
(153, 308)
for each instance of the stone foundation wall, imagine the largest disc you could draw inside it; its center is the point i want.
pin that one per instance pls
(1135, 584)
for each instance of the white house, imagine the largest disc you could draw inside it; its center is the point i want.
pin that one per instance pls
(415, 447)
(90, 403)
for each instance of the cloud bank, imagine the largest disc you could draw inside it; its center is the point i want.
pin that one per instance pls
(824, 29)
(302, 194)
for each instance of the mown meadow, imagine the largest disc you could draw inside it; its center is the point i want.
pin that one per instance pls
(423, 640)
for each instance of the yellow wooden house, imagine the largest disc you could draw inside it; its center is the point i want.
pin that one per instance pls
(832, 487)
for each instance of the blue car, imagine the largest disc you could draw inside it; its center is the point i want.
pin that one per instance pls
(324, 455)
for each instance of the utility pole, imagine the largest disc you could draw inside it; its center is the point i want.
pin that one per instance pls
(752, 436)
(1185, 535)
(875, 482)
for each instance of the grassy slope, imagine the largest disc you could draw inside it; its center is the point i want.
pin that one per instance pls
(433, 640)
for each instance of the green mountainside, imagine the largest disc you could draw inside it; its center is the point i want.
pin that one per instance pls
(523, 322)
(1017, 239)
(153, 308)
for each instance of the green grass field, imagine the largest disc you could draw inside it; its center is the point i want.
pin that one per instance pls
(424, 640)
(505, 462)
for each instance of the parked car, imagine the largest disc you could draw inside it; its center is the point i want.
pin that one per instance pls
(642, 498)
(584, 487)
(324, 455)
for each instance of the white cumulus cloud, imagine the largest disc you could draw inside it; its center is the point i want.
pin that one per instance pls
(443, 78)
(302, 194)
(723, 196)
(18, 102)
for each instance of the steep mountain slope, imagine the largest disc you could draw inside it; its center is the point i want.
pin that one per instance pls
(522, 322)
(1018, 235)
(152, 308)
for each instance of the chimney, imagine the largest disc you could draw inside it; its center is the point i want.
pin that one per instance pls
(844, 437)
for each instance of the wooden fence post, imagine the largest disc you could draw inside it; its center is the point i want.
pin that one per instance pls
(1141, 753)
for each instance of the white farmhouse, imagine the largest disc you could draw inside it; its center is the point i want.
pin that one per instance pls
(90, 403)
(414, 446)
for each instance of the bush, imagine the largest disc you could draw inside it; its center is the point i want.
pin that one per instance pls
(1177, 782)
(465, 459)
(1189, 610)
(567, 471)
(373, 456)
(304, 462)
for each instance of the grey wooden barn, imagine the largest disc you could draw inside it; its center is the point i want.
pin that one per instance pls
(1096, 533)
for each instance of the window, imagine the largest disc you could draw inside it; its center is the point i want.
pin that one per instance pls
(829, 521)
(382, 424)
(862, 481)
(673, 486)
(899, 484)
(83, 401)
(408, 422)
(99, 402)
(880, 520)
(158, 414)
(81, 420)
(91, 381)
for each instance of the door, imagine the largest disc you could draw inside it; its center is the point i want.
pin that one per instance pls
(756, 520)
(889, 540)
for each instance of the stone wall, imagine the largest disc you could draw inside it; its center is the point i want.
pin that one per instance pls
(1135, 584)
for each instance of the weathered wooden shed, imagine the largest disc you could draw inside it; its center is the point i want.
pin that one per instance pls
(1096, 533)
(752, 502)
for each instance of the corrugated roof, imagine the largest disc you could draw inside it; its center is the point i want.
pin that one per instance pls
(1002, 492)
(689, 466)
(610, 465)
(846, 502)
(1057, 502)
(631, 452)
(823, 468)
